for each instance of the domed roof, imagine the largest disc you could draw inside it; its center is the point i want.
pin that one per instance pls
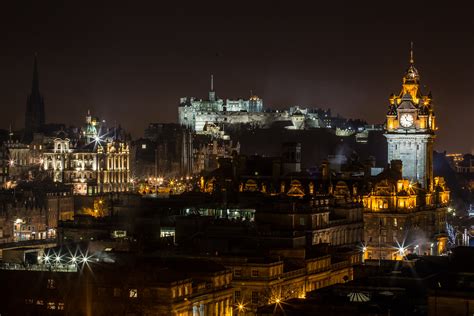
(411, 75)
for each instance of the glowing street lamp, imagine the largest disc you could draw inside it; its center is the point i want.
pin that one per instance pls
(241, 308)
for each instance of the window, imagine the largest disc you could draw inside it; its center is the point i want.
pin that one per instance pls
(51, 305)
(254, 273)
(237, 272)
(60, 306)
(395, 222)
(254, 297)
(133, 293)
(237, 296)
(301, 220)
(51, 284)
(143, 146)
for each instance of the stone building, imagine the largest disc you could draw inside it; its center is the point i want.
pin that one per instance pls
(138, 287)
(98, 167)
(410, 129)
(31, 212)
(264, 280)
(196, 114)
(92, 161)
(405, 211)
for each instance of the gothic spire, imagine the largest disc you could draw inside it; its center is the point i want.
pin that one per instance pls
(35, 82)
(412, 60)
(34, 115)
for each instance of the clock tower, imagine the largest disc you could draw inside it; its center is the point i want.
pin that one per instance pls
(410, 129)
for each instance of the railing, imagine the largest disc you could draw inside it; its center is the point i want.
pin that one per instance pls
(38, 267)
(294, 273)
(23, 243)
(340, 265)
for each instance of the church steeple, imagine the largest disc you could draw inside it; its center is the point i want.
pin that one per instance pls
(35, 82)
(34, 116)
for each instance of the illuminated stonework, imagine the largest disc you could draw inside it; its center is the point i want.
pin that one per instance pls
(96, 164)
(405, 212)
(410, 129)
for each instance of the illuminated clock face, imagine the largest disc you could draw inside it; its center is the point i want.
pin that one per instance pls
(406, 120)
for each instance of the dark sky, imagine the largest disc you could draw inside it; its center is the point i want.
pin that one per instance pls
(130, 62)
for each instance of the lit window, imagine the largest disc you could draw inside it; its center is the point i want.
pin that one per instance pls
(61, 306)
(143, 146)
(51, 305)
(133, 293)
(39, 302)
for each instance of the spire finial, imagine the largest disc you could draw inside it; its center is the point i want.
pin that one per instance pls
(412, 60)
(212, 82)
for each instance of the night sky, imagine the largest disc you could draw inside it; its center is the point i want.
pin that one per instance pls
(131, 62)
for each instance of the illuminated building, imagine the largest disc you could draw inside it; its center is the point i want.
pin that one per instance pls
(199, 115)
(153, 287)
(405, 211)
(410, 129)
(260, 281)
(33, 213)
(94, 164)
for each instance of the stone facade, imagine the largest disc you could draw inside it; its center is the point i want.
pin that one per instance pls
(405, 212)
(410, 130)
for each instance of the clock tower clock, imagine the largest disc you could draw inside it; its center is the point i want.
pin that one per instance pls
(410, 129)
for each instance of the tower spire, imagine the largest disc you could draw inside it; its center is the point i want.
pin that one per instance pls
(412, 60)
(34, 115)
(212, 94)
(35, 82)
